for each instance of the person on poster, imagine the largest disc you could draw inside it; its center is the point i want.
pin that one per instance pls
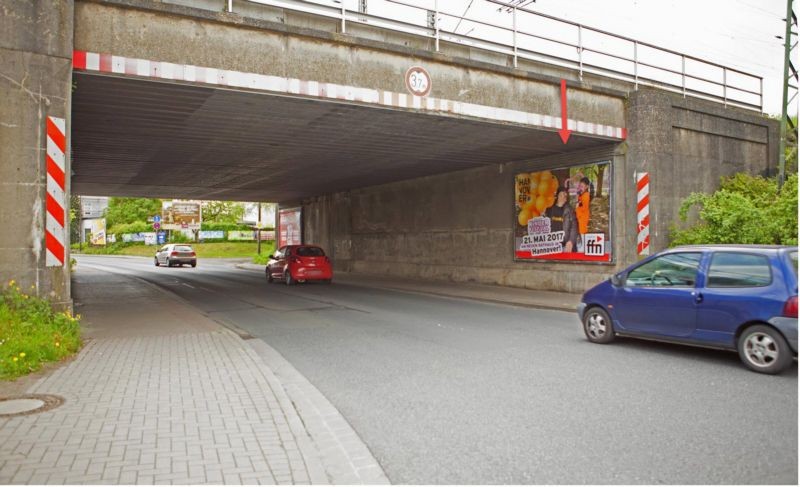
(562, 217)
(582, 211)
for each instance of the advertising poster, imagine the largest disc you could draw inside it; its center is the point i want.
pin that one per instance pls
(563, 214)
(98, 232)
(180, 215)
(290, 226)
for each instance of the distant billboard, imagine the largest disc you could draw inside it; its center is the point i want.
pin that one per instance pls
(98, 236)
(290, 226)
(180, 215)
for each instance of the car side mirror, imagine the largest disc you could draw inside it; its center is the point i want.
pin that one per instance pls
(618, 280)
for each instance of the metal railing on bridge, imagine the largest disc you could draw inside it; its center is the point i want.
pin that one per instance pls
(522, 33)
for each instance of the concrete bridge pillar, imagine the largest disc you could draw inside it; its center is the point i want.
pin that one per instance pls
(36, 43)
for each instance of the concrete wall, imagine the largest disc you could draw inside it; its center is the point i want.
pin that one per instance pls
(35, 80)
(283, 43)
(687, 145)
(459, 226)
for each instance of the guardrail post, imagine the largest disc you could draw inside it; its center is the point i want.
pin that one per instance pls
(761, 94)
(635, 65)
(683, 74)
(344, 12)
(724, 86)
(514, 16)
(230, 6)
(580, 50)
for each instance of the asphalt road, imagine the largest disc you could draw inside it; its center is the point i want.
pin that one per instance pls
(455, 391)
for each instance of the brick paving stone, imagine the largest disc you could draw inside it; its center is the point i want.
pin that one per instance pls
(187, 402)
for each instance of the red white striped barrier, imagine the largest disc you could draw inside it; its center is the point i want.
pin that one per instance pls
(56, 200)
(108, 63)
(643, 213)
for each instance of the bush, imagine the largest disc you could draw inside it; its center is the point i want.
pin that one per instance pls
(135, 227)
(745, 210)
(227, 227)
(31, 333)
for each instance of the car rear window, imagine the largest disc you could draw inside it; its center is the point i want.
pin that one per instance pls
(183, 248)
(735, 269)
(793, 258)
(310, 252)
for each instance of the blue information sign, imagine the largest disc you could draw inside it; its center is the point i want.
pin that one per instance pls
(161, 238)
(157, 219)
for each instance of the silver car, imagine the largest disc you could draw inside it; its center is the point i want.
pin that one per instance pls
(176, 254)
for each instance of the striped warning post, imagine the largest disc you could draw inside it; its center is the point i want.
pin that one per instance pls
(56, 200)
(643, 211)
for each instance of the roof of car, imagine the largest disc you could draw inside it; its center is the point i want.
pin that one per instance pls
(750, 247)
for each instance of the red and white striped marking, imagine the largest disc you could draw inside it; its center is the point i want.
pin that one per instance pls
(108, 63)
(643, 210)
(55, 235)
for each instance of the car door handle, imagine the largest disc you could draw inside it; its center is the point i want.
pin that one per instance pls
(698, 297)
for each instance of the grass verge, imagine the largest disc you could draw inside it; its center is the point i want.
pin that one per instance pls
(31, 333)
(210, 250)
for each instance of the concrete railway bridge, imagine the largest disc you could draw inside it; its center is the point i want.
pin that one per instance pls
(410, 150)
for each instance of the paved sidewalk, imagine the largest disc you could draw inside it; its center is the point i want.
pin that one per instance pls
(482, 292)
(161, 394)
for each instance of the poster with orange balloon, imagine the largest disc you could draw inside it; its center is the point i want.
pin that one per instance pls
(563, 214)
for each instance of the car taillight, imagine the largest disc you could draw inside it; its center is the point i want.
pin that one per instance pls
(173, 254)
(192, 254)
(790, 308)
(327, 259)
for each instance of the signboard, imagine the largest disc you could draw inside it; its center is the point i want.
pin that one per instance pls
(418, 81)
(563, 214)
(98, 236)
(290, 227)
(241, 235)
(161, 238)
(211, 234)
(149, 238)
(178, 214)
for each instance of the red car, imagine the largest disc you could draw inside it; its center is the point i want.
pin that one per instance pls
(299, 263)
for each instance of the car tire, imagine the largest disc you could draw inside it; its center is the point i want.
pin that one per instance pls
(763, 349)
(169, 263)
(597, 325)
(287, 277)
(156, 261)
(270, 279)
(194, 264)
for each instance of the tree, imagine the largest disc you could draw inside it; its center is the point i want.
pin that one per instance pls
(131, 210)
(745, 210)
(222, 211)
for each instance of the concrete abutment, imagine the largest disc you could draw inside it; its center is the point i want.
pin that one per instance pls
(36, 41)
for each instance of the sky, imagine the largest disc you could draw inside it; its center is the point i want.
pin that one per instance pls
(735, 33)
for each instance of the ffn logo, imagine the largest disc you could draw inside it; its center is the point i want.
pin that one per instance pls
(594, 244)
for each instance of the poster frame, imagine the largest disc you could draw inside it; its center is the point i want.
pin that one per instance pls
(280, 223)
(610, 160)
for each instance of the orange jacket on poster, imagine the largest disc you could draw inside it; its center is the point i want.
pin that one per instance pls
(582, 212)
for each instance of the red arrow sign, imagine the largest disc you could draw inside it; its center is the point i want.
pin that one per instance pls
(564, 132)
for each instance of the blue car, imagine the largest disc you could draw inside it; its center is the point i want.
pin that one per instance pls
(733, 297)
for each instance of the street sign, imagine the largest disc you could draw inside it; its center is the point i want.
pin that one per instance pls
(157, 218)
(161, 238)
(156, 226)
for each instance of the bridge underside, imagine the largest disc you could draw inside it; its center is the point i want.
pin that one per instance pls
(134, 137)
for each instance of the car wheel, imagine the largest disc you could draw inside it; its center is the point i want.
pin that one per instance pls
(194, 264)
(287, 276)
(156, 261)
(597, 325)
(763, 349)
(169, 263)
(270, 279)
